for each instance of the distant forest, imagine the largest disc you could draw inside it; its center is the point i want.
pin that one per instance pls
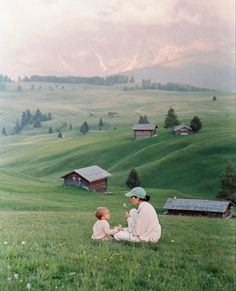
(3, 80)
(130, 83)
(105, 81)
(169, 86)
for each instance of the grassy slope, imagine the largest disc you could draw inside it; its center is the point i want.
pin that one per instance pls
(194, 254)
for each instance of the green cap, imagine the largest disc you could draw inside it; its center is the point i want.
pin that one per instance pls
(137, 192)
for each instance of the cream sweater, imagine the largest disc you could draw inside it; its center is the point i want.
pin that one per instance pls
(147, 227)
(102, 230)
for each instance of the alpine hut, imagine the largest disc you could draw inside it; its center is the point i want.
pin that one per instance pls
(93, 178)
(144, 130)
(182, 129)
(198, 207)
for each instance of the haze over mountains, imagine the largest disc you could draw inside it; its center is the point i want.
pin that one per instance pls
(185, 41)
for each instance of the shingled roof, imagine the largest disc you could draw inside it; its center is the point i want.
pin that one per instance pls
(196, 205)
(182, 126)
(92, 173)
(140, 126)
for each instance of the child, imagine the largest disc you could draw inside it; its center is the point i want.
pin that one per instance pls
(101, 229)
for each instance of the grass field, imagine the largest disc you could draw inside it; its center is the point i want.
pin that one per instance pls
(45, 227)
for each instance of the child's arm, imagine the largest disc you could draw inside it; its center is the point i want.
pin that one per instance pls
(110, 231)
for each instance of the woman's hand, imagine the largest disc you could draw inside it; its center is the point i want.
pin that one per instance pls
(127, 215)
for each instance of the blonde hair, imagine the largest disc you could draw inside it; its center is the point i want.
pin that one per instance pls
(100, 211)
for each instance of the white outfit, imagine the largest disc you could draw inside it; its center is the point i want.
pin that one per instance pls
(146, 228)
(102, 230)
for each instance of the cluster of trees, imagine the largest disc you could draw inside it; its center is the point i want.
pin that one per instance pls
(27, 118)
(110, 80)
(171, 120)
(143, 119)
(147, 84)
(3, 80)
(84, 128)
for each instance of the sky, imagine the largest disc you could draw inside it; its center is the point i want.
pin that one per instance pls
(102, 37)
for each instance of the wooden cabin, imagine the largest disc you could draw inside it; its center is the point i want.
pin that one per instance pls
(93, 178)
(182, 130)
(144, 130)
(112, 114)
(198, 207)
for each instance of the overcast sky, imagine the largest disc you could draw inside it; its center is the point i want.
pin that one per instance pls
(94, 37)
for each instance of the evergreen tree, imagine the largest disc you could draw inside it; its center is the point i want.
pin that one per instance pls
(17, 127)
(38, 115)
(101, 124)
(145, 119)
(228, 184)
(49, 116)
(23, 119)
(141, 121)
(133, 179)
(50, 130)
(70, 127)
(171, 119)
(84, 128)
(196, 124)
(28, 116)
(4, 132)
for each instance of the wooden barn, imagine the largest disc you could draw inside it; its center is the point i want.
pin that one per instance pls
(93, 178)
(144, 130)
(182, 130)
(198, 207)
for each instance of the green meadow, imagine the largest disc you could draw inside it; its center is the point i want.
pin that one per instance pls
(45, 227)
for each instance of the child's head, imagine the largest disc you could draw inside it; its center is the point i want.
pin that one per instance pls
(102, 213)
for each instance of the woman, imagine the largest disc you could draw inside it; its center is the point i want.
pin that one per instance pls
(143, 226)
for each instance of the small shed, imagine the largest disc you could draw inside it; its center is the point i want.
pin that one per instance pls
(182, 129)
(198, 207)
(112, 114)
(93, 178)
(144, 130)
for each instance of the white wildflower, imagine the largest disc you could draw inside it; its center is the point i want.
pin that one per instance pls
(124, 205)
(172, 241)
(5, 242)
(9, 278)
(23, 242)
(16, 276)
(28, 286)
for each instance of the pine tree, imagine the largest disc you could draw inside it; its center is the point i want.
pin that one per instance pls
(17, 127)
(196, 124)
(145, 119)
(50, 130)
(171, 119)
(133, 179)
(101, 124)
(84, 128)
(140, 120)
(4, 132)
(38, 115)
(228, 184)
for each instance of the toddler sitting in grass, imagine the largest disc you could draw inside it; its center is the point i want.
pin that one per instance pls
(101, 229)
